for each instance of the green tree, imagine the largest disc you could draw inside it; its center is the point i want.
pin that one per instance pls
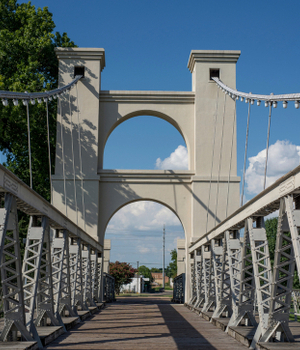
(145, 271)
(122, 272)
(28, 63)
(172, 267)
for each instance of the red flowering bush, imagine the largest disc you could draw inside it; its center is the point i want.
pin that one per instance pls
(122, 272)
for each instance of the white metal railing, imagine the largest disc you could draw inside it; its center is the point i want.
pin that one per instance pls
(60, 272)
(225, 260)
(179, 288)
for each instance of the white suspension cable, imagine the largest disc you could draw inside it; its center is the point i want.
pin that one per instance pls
(73, 158)
(32, 96)
(63, 154)
(29, 143)
(220, 160)
(80, 160)
(230, 164)
(212, 159)
(267, 148)
(245, 153)
(49, 149)
(255, 97)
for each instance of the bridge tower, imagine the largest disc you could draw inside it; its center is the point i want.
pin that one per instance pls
(200, 196)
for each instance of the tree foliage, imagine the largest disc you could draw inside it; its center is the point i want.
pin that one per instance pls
(145, 271)
(122, 272)
(171, 270)
(28, 63)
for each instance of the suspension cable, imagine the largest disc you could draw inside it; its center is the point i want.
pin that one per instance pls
(80, 159)
(29, 143)
(212, 159)
(230, 163)
(49, 149)
(245, 153)
(73, 158)
(63, 154)
(220, 159)
(267, 148)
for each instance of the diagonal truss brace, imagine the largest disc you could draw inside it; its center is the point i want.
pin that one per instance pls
(247, 285)
(209, 280)
(87, 273)
(10, 267)
(234, 251)
(76, 278)
(262, 274)
(283, 272)
(222, 278)
(193, 279)
(199, 280)
(35, 271)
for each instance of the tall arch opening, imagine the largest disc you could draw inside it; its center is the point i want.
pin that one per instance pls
(148, 143)
(136, 234)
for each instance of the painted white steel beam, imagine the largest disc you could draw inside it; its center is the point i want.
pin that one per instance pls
(263, 204)
(31, 203)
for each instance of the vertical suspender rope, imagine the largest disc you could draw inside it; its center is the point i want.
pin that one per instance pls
(29, 144)
(220, 160)
(49, 149)
(63, 154)
(267, 148)
(80, 160)
(245, 155)
(212, 159)
(73, 159)
(231, 151)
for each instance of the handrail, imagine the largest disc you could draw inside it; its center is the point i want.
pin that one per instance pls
(32, 203)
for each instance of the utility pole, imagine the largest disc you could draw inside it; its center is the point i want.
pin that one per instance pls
(164, 238)
(138, 284)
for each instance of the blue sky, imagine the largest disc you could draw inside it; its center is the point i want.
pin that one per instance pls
(147, 45)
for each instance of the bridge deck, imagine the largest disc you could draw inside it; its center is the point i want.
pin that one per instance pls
(145, 323)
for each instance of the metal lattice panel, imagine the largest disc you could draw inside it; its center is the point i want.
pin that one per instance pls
(234, 248)
(11, 273)
(209, 280)
(222, 279)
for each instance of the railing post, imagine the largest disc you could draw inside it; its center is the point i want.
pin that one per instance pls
(94, 275)
(222, 278)
(76, 276)
(199, 279)
(100, 282)
(283, 272)
(34, 257)
(11, 273)
(262, 274)
(193, 280)
(86, 262)
(209, 278)
(234, 251)
(247, 284)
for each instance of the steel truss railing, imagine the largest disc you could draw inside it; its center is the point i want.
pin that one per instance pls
(57, 276)
(179, 288)
(109, 288)
(238, 277)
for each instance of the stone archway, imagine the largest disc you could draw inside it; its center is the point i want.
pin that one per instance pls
(193, 113)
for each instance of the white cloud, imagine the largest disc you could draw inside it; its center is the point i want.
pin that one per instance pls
(142, 216)
(177, 160)
(283, 157)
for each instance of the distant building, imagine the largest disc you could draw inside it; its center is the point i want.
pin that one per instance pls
(137, 285)
(158, 277)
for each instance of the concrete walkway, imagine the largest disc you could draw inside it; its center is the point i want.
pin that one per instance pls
(145, 323)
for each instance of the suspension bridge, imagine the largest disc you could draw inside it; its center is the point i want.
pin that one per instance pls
(226, 275)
